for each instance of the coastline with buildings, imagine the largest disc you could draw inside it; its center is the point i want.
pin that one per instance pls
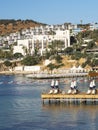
(36, 72)
(40, 37)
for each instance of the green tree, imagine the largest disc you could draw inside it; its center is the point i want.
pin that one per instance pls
(18, 55)
(30, 60)
(77, 55)
(7, 63)
(72, 40)
(68, 50)
(91, 45)
(47, 54)
(1, 53)
(55, 47)
(51, 67)
(25, 50)
(58, 58)
(8, 55)
(94, 62)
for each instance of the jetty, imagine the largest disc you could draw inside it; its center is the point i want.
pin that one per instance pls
(63, 75)
(80, 97)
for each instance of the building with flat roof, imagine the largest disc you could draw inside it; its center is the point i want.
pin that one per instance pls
(41, 41)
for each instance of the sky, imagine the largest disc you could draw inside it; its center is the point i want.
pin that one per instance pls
(51, 11)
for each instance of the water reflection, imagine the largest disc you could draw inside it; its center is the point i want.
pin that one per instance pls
(74, 115)
(21, 107)
(70, 107)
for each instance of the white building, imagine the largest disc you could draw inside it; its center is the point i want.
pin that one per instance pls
(41, 42)
(24, 46)
(94, 26)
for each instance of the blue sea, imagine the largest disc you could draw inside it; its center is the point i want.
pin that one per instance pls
(21, 106)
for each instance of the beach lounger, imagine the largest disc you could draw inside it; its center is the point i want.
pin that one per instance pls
(69, 91)
(89, 91)
(55, 91)
(94, 91)
(51, 91)
(74, 91)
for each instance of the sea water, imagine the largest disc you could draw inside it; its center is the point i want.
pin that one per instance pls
(21, 107)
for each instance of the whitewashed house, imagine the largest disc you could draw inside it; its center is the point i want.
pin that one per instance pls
(41, 41)
(24, 46)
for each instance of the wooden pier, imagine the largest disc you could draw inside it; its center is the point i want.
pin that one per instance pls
(70, 98)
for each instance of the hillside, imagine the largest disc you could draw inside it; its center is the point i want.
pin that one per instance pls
(10, 25)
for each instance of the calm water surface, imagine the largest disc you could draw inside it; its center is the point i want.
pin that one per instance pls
(21, 107)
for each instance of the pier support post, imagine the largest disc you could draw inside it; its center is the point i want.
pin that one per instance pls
(43, 101)
(49, 101)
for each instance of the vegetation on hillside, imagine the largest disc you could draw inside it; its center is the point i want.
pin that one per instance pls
(8, 26)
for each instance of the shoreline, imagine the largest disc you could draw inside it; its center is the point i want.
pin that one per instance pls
(60, 75)
(14, 72)
(30, 74)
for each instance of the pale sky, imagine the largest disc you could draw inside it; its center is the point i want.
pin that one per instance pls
(50, 11)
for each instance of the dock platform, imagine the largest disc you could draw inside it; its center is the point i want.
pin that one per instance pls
(69, 98)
